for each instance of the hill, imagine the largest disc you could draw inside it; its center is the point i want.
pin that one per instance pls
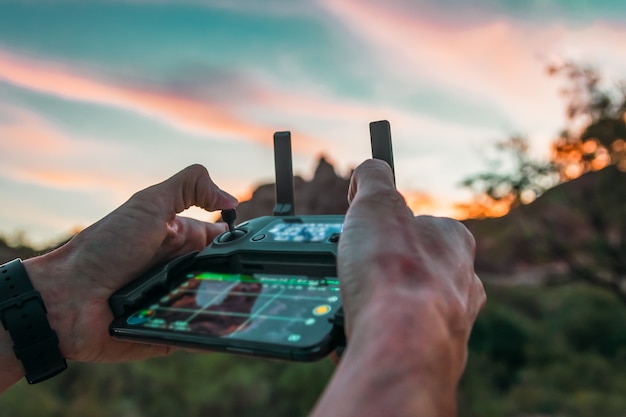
(578, 226)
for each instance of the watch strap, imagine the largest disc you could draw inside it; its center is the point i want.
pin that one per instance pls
(24, 316)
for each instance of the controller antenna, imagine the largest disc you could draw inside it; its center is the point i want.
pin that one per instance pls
(380, 135)
(284, 175)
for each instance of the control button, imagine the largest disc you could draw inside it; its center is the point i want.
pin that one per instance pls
(258, 237)
(321, 310)
(334, 238)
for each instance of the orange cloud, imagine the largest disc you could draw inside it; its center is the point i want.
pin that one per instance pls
(66, 179)
(37, 152)
(203, 116)
(184, 113)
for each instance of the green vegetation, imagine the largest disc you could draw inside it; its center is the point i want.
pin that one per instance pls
(556, 351)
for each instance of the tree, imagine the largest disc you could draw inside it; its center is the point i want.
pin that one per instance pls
(594, 137)
(498, 190)
(582, 226)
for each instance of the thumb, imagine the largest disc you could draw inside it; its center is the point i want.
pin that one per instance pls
(372, 177)
(190, 187)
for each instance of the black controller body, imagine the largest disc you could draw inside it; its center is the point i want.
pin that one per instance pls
(294, 249)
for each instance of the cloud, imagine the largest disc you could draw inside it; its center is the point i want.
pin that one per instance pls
(207, 109)
(497, 61)
(283, 8)
(37, 152)
(184, 113)
(65, 179)
(26, 133)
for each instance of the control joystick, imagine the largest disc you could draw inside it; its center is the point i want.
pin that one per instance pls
(229, 216)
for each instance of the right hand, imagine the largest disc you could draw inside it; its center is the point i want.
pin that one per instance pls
(390, 262)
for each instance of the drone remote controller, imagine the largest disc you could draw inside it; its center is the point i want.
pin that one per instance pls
(266, 287)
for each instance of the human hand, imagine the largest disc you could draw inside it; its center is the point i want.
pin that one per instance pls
(396, 267)
(410, 297)
(77, 279)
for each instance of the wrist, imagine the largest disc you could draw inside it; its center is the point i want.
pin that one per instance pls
(400, 356)
(27, 328)
(48, 275)
(414, 325)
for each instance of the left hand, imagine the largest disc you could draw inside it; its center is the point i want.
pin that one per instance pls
(77, 279)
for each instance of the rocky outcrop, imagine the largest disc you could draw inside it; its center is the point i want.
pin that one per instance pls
(325, 193)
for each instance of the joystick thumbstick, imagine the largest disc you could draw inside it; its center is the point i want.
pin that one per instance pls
(229, 216)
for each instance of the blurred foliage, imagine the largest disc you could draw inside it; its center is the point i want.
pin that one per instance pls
(594, 138)
(183, 384)
(557, 351)
(513, 177)
(582, 226)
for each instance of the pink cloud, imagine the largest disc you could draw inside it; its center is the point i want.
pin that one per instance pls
(307, 109)
(194, 115)
(37, 152)
(64, 179)
(28, 134)
(500, 62)
(187, 114)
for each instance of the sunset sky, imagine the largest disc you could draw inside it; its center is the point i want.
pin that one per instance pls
(101, 98)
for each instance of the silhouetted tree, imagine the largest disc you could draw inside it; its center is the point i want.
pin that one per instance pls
(586, 229)
(594, 137)
(500, 189)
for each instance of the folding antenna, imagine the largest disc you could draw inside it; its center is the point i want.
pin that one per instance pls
(284, 175)
(380, 134)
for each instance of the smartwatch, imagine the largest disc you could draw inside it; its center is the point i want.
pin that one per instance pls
(24, 316)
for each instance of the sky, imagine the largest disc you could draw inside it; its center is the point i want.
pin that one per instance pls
(101, 98)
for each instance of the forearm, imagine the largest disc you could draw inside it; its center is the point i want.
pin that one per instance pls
(407, 364)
